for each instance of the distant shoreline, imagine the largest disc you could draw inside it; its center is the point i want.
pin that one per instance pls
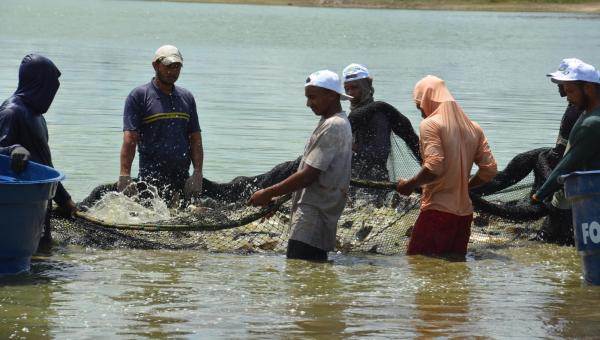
(564, 6)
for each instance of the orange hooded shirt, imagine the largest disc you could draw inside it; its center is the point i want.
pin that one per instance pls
(450, 143)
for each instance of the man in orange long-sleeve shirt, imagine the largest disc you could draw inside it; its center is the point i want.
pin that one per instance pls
(450, 144)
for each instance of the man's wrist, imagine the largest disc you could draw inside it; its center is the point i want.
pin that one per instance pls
(412, 183)
(270, 191)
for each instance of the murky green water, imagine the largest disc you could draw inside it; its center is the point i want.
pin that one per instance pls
(246, 66)
(84, 293)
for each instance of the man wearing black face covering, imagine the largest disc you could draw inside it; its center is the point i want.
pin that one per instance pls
(22, 121)
(372, 124)
(569, 118)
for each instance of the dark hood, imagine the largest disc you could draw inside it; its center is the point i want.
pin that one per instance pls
(38, 82)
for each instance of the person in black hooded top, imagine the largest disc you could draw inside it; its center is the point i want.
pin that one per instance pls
(372, 124)
(22, 121)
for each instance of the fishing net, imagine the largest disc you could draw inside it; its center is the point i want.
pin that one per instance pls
(376, 219)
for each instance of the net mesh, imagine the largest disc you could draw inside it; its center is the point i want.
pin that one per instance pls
(375, 220)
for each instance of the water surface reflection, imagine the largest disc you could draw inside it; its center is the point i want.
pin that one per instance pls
(442, 298)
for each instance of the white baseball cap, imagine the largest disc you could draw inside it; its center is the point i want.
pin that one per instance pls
(327, 80)
(167, 55)
(355, 72)
(573, 69)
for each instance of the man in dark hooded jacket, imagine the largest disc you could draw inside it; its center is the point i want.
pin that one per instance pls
(22, 121)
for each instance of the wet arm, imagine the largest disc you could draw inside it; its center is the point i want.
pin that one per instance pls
(130, 140)
(62, 197)
(297, 181)
(425, 176)
(476, 180)
(197, 151)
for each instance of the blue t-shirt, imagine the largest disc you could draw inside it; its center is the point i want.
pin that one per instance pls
(164, 123)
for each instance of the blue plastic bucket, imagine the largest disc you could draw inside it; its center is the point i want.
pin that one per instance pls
(23, 203)
(582, 189)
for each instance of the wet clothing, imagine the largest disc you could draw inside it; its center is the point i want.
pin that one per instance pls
(372, 125)
(569, 118)
(572, 113)
(21, 115)
(583, 152)
(440, 233)
(450, 144)
(316, 209)
(302, 251)
(164, 124)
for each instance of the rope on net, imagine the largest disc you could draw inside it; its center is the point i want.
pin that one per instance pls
(194, 226)
(275, 205)
(515, 212)
(379, 224)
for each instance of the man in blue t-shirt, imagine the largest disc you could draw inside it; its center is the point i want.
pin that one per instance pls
(160, 119)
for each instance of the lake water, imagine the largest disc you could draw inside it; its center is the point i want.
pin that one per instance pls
(246, 66)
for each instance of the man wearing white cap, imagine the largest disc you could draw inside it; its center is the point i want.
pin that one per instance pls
(568, 119)
(372, 124)
(321, 183)
(581, 83)
(160, 119)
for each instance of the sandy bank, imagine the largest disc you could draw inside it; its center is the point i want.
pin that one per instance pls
(458, 5)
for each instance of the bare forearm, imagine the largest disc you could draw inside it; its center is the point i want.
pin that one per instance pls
(127, 154)
(297, 181)
(424, 176)
(476, 181)
(197, 151)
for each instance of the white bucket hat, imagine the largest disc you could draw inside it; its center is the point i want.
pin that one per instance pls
(573, 69)
(167, 55)
(327, 80)
(355, 72)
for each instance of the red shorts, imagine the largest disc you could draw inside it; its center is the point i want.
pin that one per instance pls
(440, 233)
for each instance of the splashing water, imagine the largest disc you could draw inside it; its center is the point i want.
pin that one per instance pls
(117, 208)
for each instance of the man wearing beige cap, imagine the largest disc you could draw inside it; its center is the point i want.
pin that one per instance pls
(160, 119)
(321, 183)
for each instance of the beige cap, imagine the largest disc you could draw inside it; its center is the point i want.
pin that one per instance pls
(167, 55)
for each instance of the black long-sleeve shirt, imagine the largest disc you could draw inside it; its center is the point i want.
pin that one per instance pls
(372, 125)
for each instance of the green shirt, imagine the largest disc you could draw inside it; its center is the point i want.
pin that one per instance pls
(583, 153)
